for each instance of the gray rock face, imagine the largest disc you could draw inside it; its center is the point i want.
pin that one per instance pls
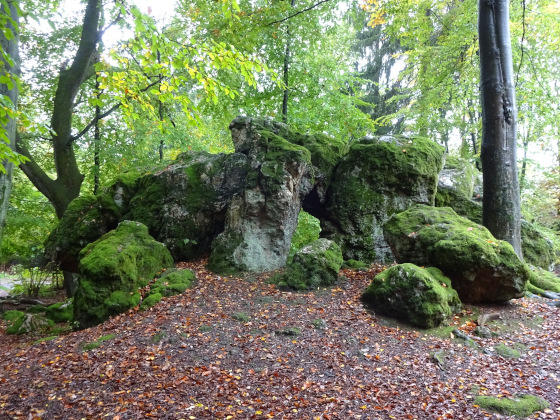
(184, 205)
(261, 219)
(378, 177)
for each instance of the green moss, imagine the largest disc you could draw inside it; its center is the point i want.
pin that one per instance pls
(307, 231)
(482, 268)
(506, 351)
(22, 323)
(463, 172)
(522, 406)
(173, 282)
(113, 268)
(541, 281)
(61, 311)
(97, 343)
(241, 317)
(448, 197)
(315, 265)
(222, 259)
(355, 265)
(150, 300)
(421, 296)
(539, 246)
(377, 178)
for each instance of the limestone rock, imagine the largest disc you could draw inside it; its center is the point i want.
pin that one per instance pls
(184, 205)
(378, 177)
(261, 220)
(420, 296)
(481, 268)
(539, 245)
(315, 265)
(113, 268)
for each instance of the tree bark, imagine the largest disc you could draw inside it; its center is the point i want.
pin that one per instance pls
(11, 48)
(501, 203)
(62, 190)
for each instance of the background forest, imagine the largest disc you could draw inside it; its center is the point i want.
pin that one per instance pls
(170, 80)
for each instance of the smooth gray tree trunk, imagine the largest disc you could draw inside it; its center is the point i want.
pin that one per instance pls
(501, 204)
(11, 48)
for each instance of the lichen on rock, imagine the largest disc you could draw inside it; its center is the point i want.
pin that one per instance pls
(481, 268)
(113, 268)
(315, 265)
(420, 296)
(540, 246)
(378, 177)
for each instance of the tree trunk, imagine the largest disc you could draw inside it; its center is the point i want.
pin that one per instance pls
(62, 190)
(285, 75)
(11, 48)
(97, 140)
(501, 203)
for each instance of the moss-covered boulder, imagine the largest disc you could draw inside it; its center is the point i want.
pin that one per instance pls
(113, 268)
(378, 177)
(540, 246)
(173, 282)
(542, 281)
(184, 205)
(455, 188)
(420, 296)
(261, 220)
(315, 265)
(87, 218)
(61, 311)
(23, 323)
(481, 268)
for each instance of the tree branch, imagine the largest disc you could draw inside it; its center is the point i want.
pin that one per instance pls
(103, 115)
(33, 171)
(298, 13)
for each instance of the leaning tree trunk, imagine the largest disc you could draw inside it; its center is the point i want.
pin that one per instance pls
(62, 190)
(286, 70)
(11, 49)
(501, 204)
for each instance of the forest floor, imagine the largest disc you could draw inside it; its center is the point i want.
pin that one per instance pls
(241, 348)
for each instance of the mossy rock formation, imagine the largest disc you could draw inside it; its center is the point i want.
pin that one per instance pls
(520, 407)
(173, 282)
(420, 296)
(455, 188)
(542, 281)
(481, 268)
(315, 265)
(184, 205)
(539, 245)
(113, 268)
(378, 177)
(261, 220)
(23, 323)
(61, 311)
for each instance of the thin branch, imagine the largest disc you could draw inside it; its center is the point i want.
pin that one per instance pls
(103, 115)
(298, 13)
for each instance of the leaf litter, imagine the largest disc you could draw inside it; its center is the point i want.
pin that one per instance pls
(319, 355)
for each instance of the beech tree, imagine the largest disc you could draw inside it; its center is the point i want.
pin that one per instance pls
(501, 203)
(9, 69)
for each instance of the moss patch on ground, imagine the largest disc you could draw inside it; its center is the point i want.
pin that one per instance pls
(97, 343)
(520, 407)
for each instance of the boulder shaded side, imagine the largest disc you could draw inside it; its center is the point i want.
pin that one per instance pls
(420, 296)
(482, 268)
(538, 246)
(378, 177)
(315, 265)
(113, 268)
(184, 205)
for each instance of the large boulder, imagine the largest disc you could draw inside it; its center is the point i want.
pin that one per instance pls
(113, 268)
(184, 205)
(481, 268)
(315, 265)
(456, 187)
(378, 177)
(261, 220)
(540, 246)
(420, 296)
(86, 219)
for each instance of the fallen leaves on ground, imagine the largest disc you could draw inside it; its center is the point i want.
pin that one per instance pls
(191, 357)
